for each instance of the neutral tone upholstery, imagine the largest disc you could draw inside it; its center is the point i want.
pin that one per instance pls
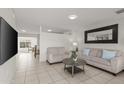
(56, 54)
(114, 65)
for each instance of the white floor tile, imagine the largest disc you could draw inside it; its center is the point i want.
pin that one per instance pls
(62, 82)
(90, 81)
(31, 71)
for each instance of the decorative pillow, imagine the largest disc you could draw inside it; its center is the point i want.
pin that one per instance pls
(93, 52)
(86, 51)
(108, 54)
(99, 53)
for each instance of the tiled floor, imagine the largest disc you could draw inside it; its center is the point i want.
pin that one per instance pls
(31, 71)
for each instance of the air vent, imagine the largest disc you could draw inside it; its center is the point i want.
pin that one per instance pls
(120, 11)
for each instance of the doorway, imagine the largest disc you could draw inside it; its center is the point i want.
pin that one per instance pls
(27, 44)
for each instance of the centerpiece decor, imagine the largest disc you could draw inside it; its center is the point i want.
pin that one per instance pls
(74, 54)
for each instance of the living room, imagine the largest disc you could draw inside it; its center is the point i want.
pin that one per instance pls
(45, 47)
(63, 33)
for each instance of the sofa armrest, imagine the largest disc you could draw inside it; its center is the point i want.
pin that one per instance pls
(117, 64)
(66, 55)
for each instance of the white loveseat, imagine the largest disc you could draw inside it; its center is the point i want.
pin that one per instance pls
(56, 54)
(94, 58)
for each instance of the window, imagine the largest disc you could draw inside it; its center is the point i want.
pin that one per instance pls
(25, 44)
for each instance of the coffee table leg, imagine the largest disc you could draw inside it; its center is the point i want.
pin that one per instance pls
(72, 71)
(83, 68)
(64, 67)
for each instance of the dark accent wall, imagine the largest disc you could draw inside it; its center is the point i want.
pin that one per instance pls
(8, 41)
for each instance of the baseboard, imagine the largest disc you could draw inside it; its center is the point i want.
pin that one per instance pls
(54, 63)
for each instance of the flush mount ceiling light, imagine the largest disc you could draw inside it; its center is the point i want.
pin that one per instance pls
(49, 30)
(72, 17)
(23, 31)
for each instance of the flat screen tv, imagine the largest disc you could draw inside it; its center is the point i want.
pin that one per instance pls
(8, 41)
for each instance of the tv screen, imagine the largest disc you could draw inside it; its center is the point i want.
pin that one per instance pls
(8, 41)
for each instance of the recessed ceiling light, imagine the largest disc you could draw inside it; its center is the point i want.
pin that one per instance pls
(72, 17)
(23, 31)
(49, 30)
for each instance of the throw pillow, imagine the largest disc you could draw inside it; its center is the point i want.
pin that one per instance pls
(108, 54)
(86, 51)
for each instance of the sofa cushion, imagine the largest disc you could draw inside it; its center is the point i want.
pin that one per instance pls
(118, 52)
(97, 60)
(86, 57)
(108, 54)
(99, 53)
(95, 52)
(102, 61)
(86, 51)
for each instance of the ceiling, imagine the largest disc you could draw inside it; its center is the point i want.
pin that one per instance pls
(31, 19)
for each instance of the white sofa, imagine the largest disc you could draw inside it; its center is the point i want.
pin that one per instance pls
(94, 58)
(56, 54)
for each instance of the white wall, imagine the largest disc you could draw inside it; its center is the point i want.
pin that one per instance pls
(51, 40)
(7, 70)
(56, 40)
(119, 46)
(78, 36)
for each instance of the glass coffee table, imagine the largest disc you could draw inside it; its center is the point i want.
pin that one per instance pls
(73, 66)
